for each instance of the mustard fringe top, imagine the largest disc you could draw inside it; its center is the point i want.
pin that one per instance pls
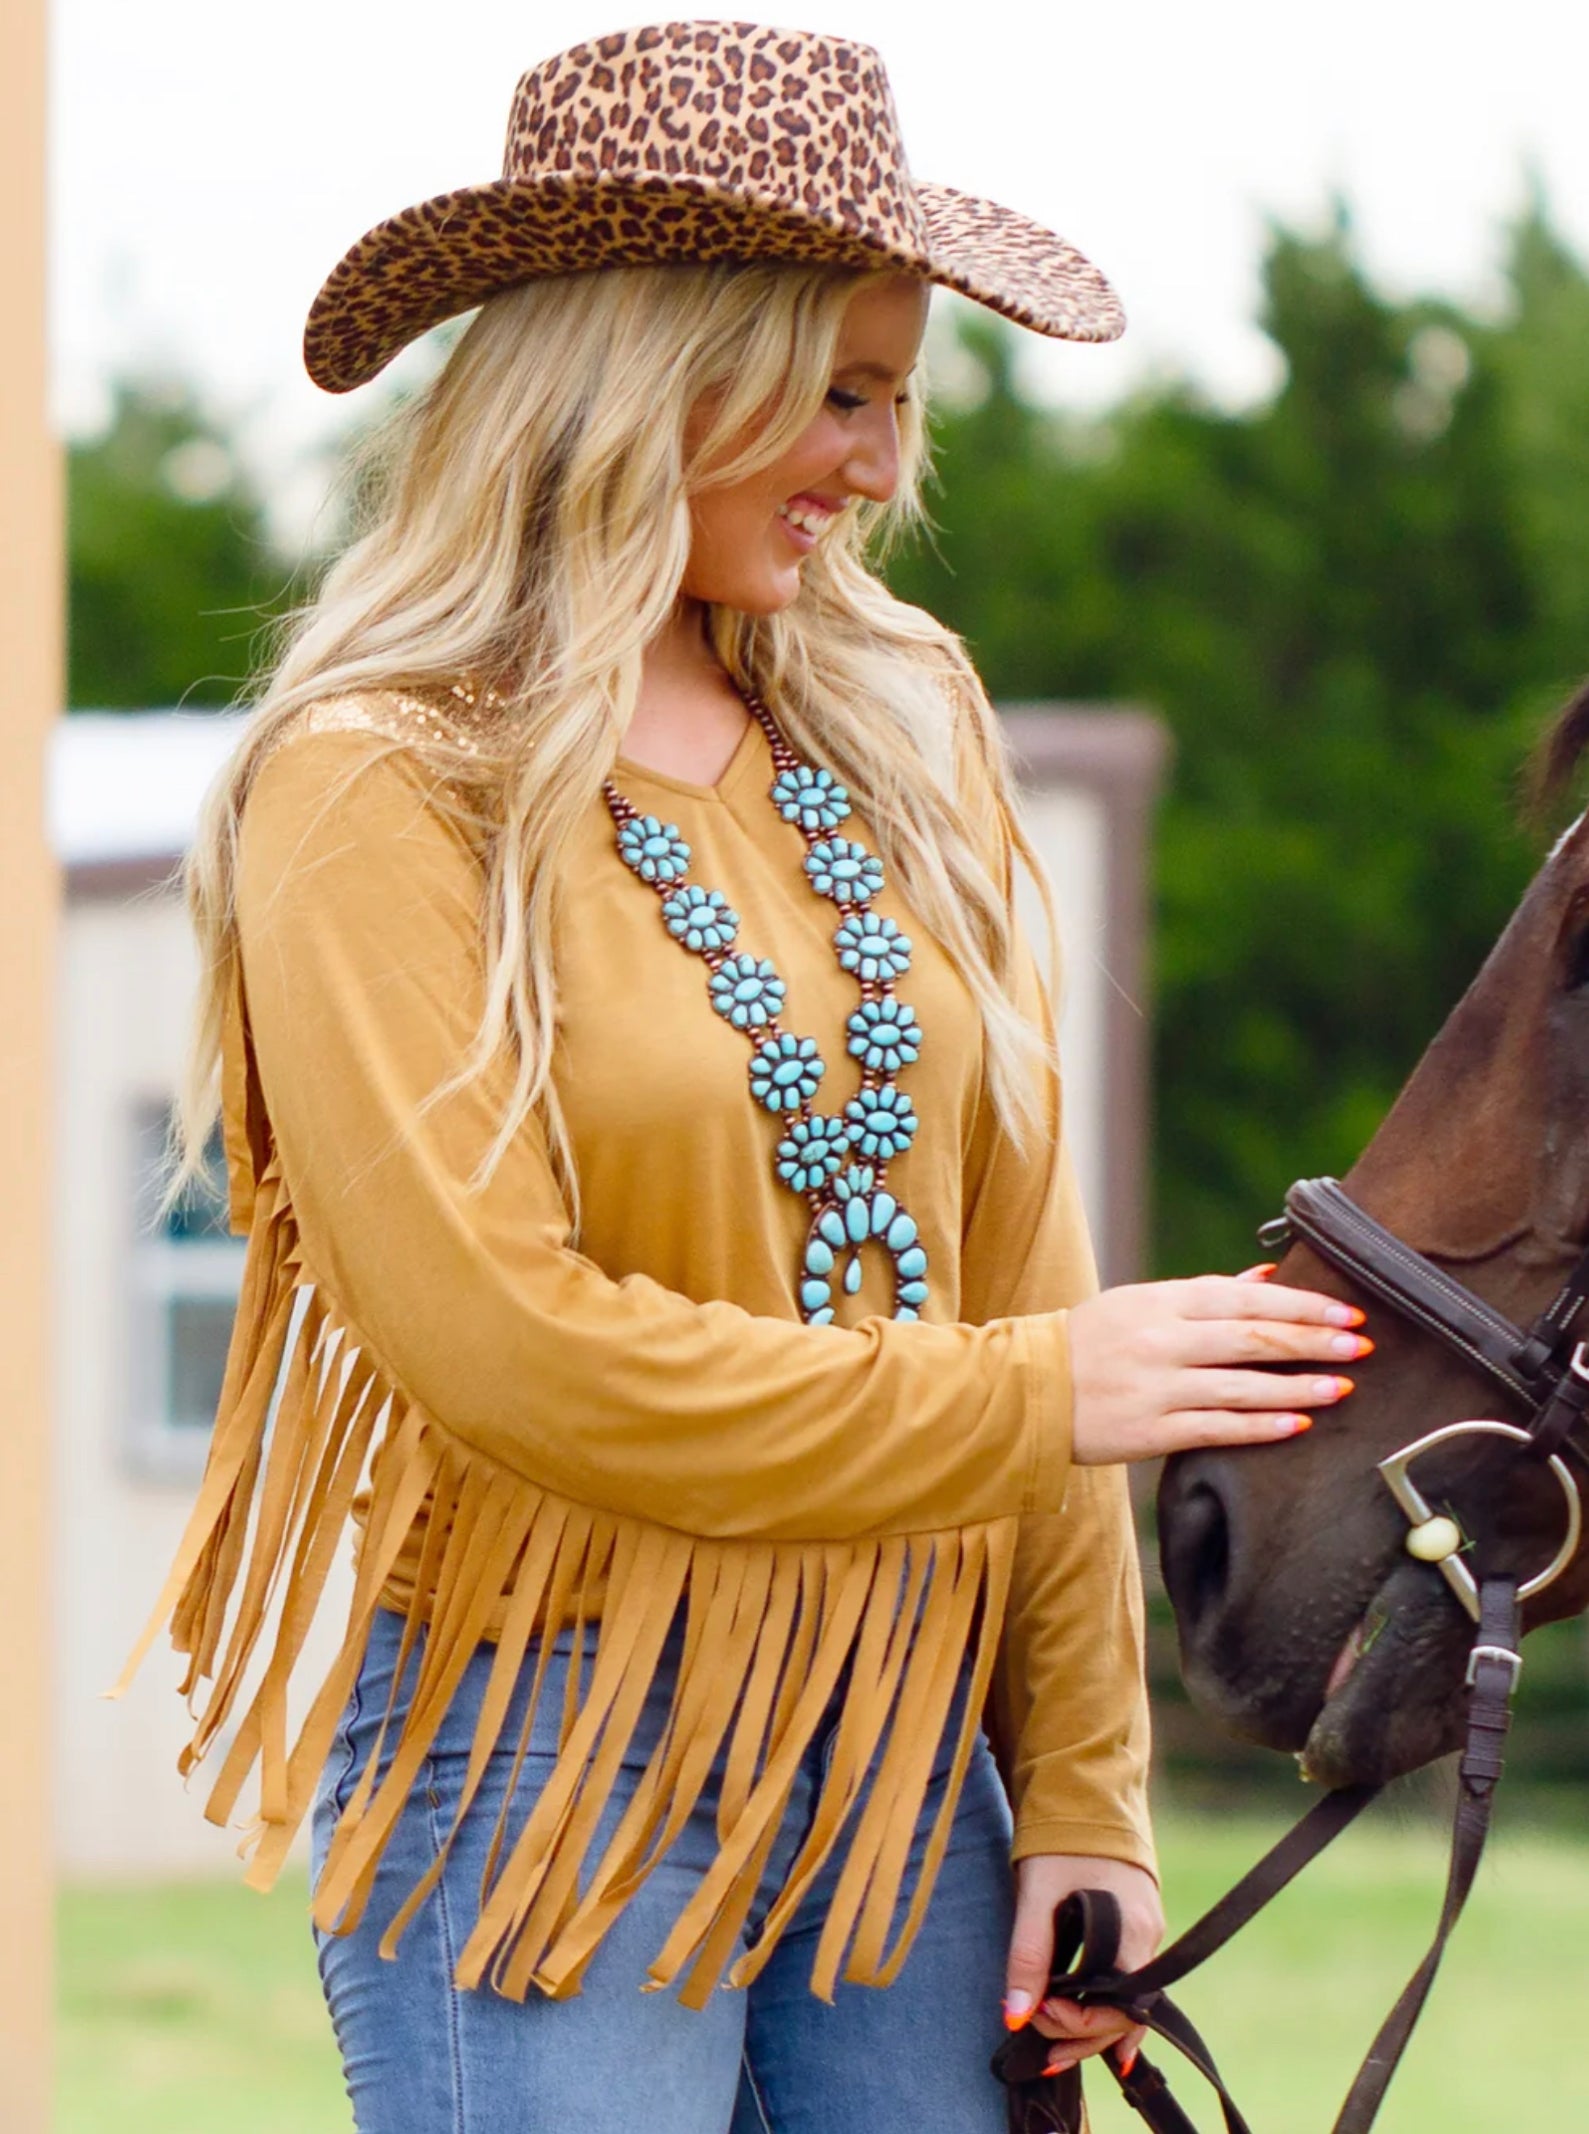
(521, 1430)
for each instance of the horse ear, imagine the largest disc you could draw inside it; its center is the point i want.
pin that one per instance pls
(1556, 758)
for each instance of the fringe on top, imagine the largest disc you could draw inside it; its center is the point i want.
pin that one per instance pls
(772, 1633)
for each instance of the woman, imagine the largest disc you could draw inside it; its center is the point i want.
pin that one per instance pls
(717, 1453)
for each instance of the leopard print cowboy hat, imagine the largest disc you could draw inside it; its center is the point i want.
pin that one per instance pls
(695, 141)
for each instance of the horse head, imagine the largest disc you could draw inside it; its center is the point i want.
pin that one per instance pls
(1304, 1621)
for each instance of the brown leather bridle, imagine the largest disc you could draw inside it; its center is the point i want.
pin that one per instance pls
(1545, 1369)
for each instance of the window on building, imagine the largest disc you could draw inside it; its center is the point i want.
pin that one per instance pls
(186, 1270)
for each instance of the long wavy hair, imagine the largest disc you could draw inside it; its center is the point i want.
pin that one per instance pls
(524, 525)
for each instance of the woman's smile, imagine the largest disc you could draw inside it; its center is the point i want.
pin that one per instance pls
(805, 519)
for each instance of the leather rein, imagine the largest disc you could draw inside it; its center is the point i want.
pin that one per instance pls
(1544, 1368)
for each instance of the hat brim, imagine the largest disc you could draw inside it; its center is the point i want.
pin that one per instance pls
(1016, 267)
(446, 255)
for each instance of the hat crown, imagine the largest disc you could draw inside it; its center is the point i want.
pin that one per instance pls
(786, 118)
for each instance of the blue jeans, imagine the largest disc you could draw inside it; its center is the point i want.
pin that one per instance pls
(421, 2057)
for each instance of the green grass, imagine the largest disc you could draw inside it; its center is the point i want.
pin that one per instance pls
(1290, 2007)
(194, 2009)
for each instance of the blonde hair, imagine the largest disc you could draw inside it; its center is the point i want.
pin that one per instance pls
(526, 524)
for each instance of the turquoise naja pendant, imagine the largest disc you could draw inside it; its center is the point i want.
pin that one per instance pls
(861, 1213)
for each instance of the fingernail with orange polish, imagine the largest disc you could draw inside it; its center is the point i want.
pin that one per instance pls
(1354, 1345)
(1344, 1315)
(1293, 1425)
(1333, 1388)
(1128, 2063)
(1017, 2010)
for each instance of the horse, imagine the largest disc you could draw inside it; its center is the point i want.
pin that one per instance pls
(1304, 1622)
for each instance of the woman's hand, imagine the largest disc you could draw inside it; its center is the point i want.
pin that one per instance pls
(1162, 1367)
(1042, 1882)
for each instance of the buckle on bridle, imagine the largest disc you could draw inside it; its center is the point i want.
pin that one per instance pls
(1505, 1654)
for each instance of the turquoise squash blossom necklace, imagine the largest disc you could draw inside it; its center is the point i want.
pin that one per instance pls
(837, 1163)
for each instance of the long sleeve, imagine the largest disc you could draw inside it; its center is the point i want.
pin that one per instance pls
(1069, 1708)
(359, 908)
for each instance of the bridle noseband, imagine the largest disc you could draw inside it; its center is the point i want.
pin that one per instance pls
(1545, 1369)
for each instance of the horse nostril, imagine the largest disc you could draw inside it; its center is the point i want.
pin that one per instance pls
(1196, 1554)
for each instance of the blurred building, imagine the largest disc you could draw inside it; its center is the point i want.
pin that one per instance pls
(144, 1302)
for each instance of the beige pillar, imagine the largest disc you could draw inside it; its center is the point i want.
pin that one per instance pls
(30, 692)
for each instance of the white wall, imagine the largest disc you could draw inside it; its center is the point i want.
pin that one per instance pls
(1068, 826)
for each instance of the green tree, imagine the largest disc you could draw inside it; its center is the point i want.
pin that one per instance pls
(171, 570)
(1538, 355)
